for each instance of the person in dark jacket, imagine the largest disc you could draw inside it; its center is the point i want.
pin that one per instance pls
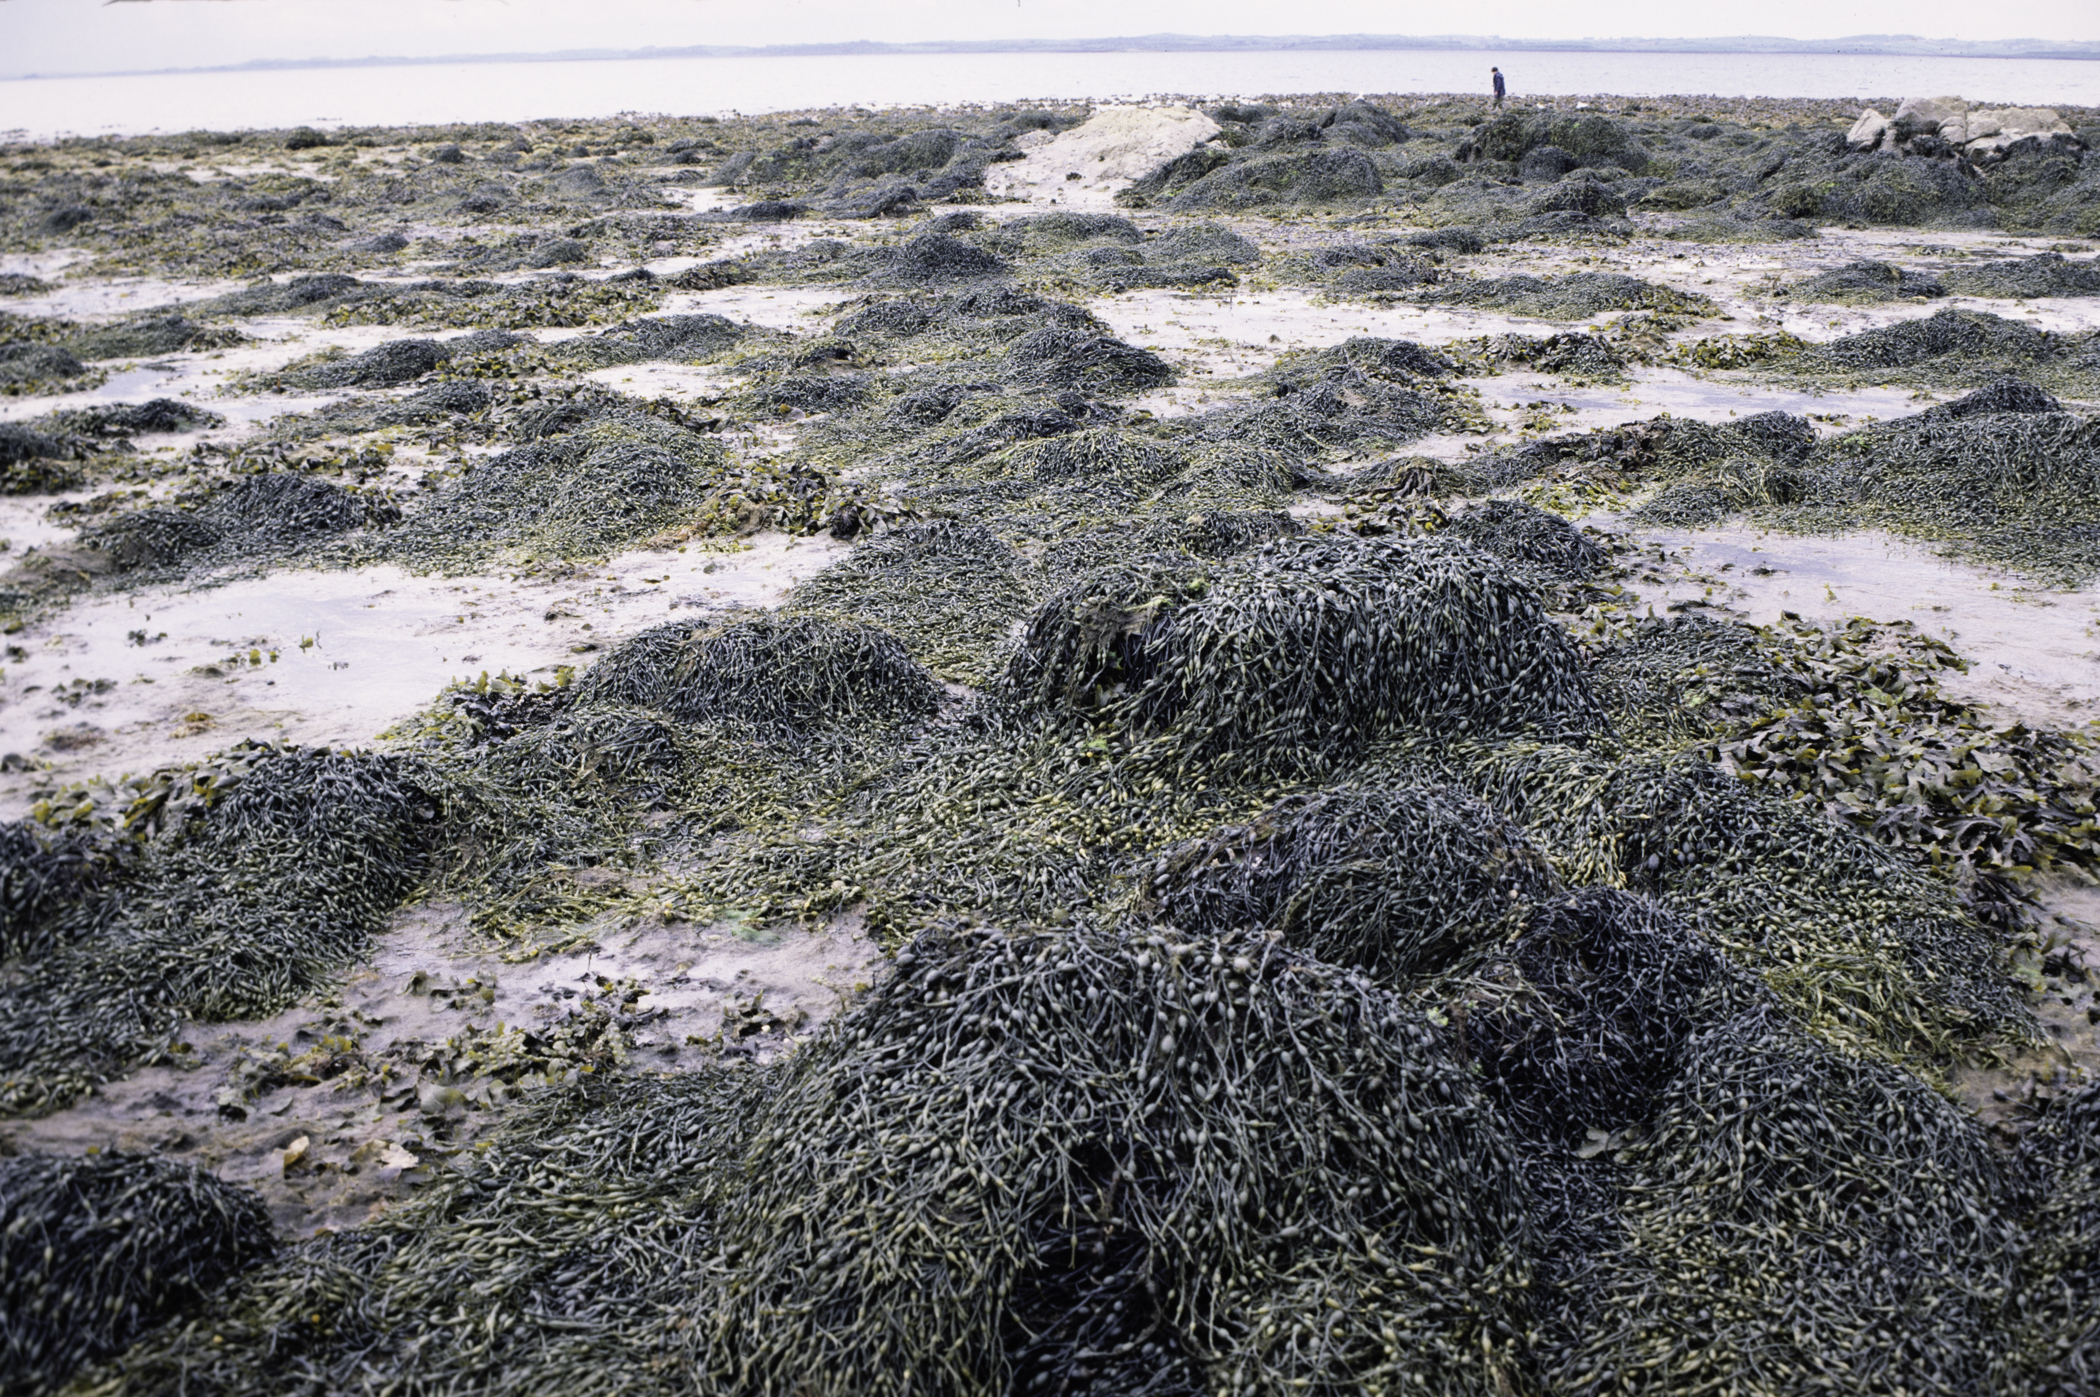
(1501, 90)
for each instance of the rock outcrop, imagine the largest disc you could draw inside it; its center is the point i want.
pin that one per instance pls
(1085, 166)
(1950, 126)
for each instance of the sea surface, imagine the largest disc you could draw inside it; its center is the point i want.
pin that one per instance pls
(41, 108)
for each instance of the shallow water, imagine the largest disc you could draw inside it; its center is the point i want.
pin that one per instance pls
(40, 108)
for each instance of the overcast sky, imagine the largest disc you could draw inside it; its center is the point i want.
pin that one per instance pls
(60, 36)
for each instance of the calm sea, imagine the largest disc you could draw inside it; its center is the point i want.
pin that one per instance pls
(43, 107)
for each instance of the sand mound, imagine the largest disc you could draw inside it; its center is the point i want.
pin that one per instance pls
(1106, 152)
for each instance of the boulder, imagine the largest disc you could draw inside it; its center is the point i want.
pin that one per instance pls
(1950, 126)
(1993, 132)
(1085, 166)
(1869, 131)
(1946, 117)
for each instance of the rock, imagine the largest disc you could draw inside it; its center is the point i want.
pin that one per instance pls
(1544, 164)
(1946, 117)
(1869, 131)
(580, 182)
(1949, 126)
(1108, 150)
(1993, 132)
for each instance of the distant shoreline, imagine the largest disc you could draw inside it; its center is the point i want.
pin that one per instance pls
(1865, 45)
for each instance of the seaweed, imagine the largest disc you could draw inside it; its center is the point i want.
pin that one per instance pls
(949, 590)
(96, 1251)
(1575, 296)
(274, 867)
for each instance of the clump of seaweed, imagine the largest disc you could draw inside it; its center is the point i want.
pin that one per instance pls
(1388, 635)
(270, 514)
(1869, 946)
(1582, 1020)
(685, 339)
(1530, 539)
(948, 589)
(271, 868)
(1575, 296)
(1577, 357)
(2044, 274)
(122, 421)
(1767, 451)
(1793, 1214)
(32, 368)
(793, 675)
(1866, 282)
(620, 477)
(2012, 486)
(1948, 346)
(96, 1251)
(1123, 1248)
(388, 365)
(1398, 882)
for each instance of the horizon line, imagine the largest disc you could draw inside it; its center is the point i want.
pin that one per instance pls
(1856, 45)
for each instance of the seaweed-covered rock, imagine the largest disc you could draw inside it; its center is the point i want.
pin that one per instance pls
(1667, 448)
(1590, 1012)
(1868, 281)
(596, 480)
(25, 362)
(1118, 1256)
(932, 258)
(1385, 636)
(2005, 395)
(1529, 537)
(1045, 232)
(123, 420)
(94, 1251)
(275, 512)
(1581, 193)
(1590, 140)
(950, 590)
(2045, 274)
(382, 366)
(1963, 339)
(679, 338)
(1062, 358)
(278, 866)
(20, 443)
(1397, 882)
(1300, 177)
(1203, 242)
(1574, 296)
(146, 335)
(2004, 476)
(1575, 355)
(279, 297)
(789, 677)
(1364, 268)
(1789, 1209)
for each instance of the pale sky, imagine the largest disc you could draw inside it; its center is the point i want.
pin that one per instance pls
(73, 36)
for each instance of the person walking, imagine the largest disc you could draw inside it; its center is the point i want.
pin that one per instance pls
(1501, 89)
